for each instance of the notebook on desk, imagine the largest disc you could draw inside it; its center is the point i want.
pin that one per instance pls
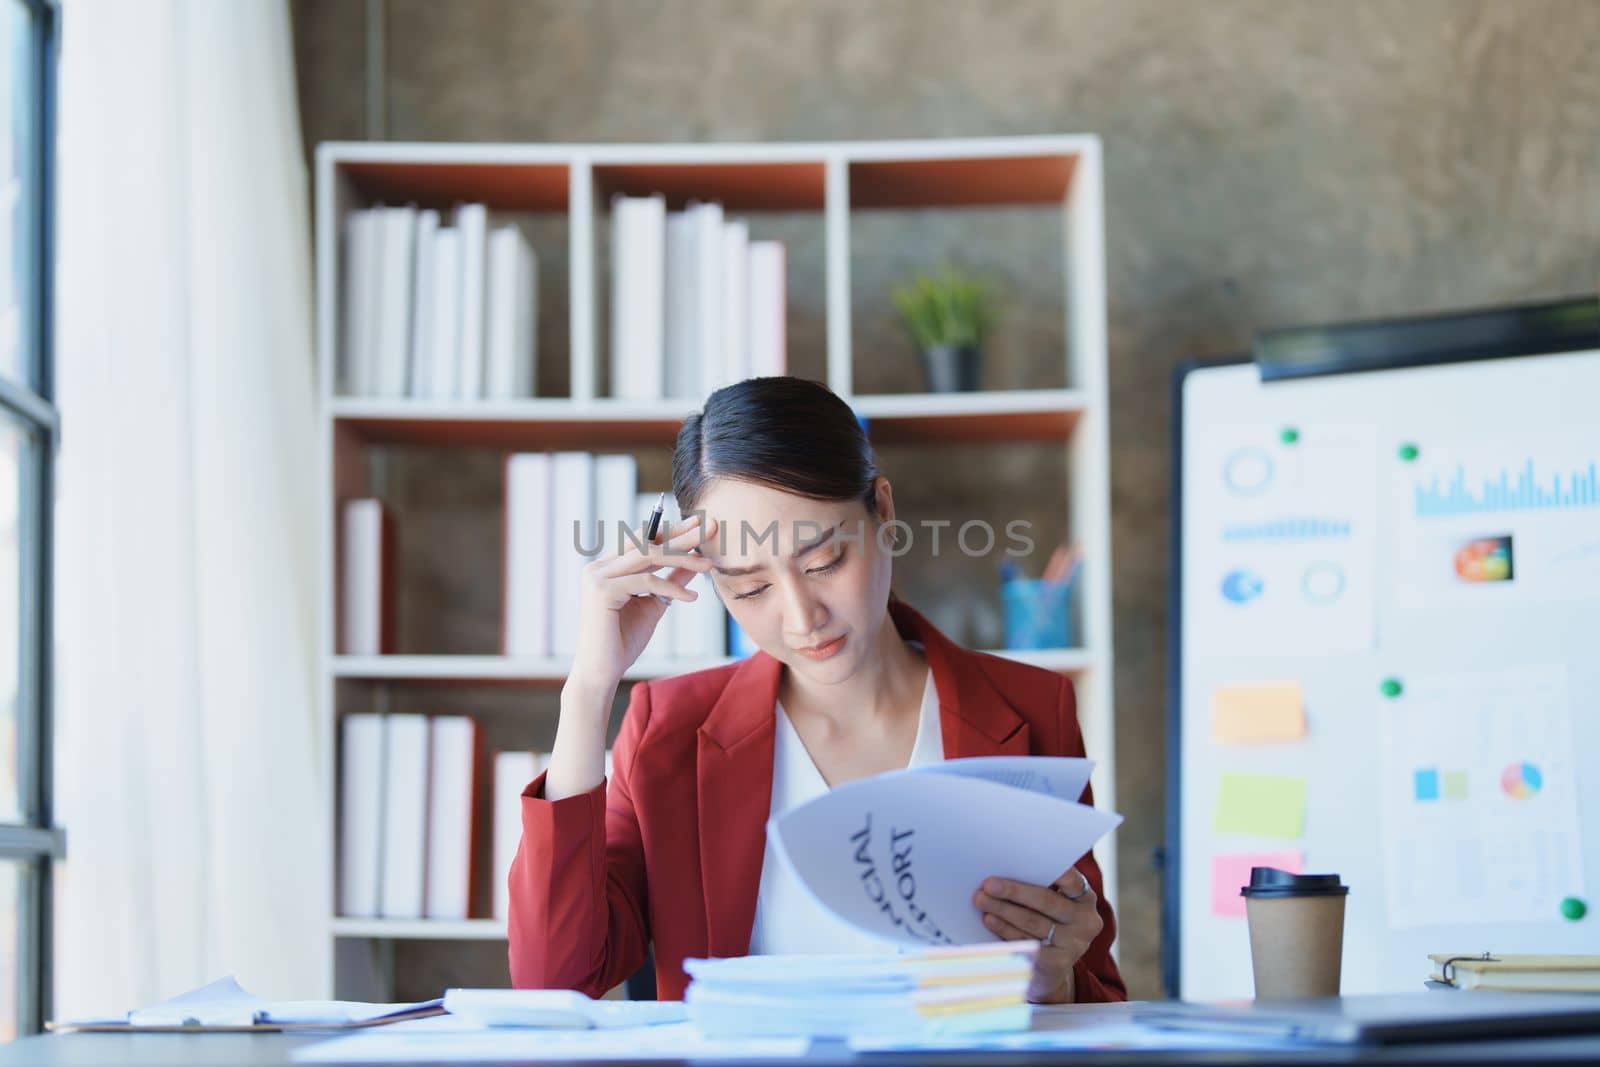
(1517, 973)
(1391, 1018)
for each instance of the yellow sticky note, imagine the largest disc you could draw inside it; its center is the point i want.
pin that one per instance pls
(1266, 805)
(1257, 713)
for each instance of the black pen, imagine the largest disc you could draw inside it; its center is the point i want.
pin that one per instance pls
(655, 519)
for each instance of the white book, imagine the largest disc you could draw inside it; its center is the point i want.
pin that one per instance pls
(709, 276)
(735, 301)
(445, 347)
(513, 771)
(472, 221)
(767, 347)
(353, 326)
(366, 251)
(683, 373)
(453, 748)
(616, 490)
(405, 816)
(422, 305)
(529, 527)
(638, 227)
(362, 608)
(361, 764)
(572, 483)
(509, 316)
(526, 371)
(394, 301)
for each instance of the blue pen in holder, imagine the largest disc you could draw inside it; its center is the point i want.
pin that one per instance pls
(1038, 613)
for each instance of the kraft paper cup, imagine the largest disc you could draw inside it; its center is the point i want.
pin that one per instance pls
(1296, 932)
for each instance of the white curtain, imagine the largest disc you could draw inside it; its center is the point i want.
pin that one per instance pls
(189, 766)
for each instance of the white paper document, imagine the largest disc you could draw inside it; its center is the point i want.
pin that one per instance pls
(224, 1003)
(1054, 776)
(900, 855)
(557, 1009)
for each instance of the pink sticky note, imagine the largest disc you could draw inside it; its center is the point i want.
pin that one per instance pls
(1231, 873)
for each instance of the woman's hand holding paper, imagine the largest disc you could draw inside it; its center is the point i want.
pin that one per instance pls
(1063, 917)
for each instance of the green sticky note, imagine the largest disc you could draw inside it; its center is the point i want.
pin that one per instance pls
(1266, 805)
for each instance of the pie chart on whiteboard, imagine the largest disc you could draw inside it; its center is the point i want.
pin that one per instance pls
(1521, 780)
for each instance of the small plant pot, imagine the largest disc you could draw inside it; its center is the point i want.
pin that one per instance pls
(952, 369)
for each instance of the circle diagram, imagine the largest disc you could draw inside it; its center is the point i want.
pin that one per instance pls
(1241, 586)
(1322, 582)
(1248, 471)
(1521, 780)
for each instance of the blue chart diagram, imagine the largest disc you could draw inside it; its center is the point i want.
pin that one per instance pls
(1528, 490)
(1289, 528)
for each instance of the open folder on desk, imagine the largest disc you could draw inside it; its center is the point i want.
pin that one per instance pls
(224, 1006)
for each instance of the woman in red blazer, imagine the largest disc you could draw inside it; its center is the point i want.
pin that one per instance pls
(797, 538)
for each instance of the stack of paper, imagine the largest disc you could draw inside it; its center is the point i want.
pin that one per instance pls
(965, 989)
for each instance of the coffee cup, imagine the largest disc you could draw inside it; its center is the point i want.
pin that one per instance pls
(1296, 932)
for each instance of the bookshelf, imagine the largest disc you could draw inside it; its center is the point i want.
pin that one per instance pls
(826, 183)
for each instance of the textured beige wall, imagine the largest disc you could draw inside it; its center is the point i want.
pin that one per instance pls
(1267, 163)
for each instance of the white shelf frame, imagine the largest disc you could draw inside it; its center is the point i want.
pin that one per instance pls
(346, 424)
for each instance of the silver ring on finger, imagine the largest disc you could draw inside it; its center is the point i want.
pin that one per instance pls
(1050, 938)
(1081, 893)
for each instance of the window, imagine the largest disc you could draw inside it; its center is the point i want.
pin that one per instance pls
(29, 841)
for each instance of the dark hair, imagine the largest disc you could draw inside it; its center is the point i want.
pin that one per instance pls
(787, 433)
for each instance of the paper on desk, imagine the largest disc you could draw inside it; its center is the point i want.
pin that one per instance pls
(225, 1003)
(447, 1039)
(900, 855)
(1055, 776)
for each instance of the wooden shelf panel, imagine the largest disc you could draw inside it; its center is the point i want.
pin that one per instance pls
(759, 186)
(421, 929)
(941, 418)
(995, 181)
(555, 423)
(502, 670)
(503, 186)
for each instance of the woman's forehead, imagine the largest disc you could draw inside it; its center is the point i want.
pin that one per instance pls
(759, 521)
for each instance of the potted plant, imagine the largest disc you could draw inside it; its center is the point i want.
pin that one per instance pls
(948, 314)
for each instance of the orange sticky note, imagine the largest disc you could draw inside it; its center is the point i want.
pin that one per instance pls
(1258, 713)
(1231, 873)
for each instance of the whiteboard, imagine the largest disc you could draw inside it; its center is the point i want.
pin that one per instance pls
(1436, 528)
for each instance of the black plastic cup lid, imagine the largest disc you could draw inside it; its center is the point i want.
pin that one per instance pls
(1272, 882)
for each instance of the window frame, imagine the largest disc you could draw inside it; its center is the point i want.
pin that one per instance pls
(27, 402)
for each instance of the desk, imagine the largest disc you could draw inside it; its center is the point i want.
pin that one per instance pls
(275, 1050)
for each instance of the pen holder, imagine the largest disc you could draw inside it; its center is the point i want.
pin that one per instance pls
(1038, 613)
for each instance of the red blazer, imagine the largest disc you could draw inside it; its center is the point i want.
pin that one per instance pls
(672, 851)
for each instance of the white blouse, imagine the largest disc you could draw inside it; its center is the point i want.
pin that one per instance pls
(787, 919)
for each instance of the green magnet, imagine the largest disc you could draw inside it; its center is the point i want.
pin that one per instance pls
(1289, 435)
(1574, 909)
(1409, 452)
(1391, 688)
